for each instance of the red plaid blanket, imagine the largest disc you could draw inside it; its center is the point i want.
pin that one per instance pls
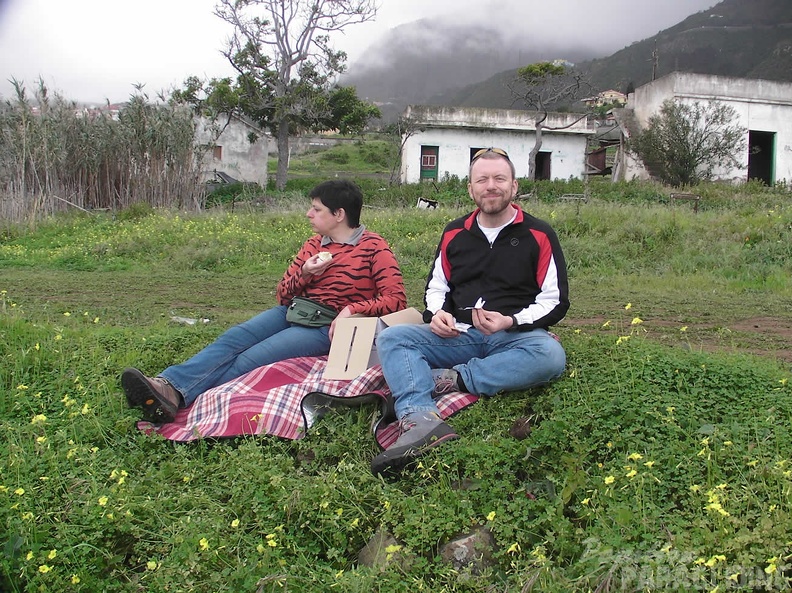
(285, 399)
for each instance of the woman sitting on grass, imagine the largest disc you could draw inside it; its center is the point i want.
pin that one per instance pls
(359, 276)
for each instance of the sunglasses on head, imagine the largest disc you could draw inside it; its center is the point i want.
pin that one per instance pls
(499, 151)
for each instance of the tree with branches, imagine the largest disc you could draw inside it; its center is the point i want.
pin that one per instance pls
(685, 142)
(286, 68)
(541, 87)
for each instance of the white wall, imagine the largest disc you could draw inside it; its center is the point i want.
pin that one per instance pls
(454, 151)
(456, 130)
(760, 105)
(240, 159)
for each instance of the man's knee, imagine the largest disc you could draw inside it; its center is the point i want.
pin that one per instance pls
(394, 336)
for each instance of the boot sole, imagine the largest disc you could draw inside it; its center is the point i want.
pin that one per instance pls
(140, 394)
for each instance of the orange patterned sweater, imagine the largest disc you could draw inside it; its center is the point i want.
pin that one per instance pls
(366, 277)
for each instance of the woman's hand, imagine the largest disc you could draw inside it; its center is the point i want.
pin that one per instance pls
(315, 266)
(345, 312)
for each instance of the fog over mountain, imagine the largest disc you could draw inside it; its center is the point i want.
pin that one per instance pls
(463, 42)
(414, 62)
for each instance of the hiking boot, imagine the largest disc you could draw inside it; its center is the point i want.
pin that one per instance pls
(445, 380)
(158, 399)
(419, 432)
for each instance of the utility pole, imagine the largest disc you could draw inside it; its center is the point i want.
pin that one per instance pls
(654, 62)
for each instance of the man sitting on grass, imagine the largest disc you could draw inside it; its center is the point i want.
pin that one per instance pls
(497, 283)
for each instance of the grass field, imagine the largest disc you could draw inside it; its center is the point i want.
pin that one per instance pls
(661, 460)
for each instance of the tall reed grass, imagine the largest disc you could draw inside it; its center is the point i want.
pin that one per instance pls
(56, 156)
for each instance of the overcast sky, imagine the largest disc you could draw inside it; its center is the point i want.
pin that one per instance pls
(92, 50)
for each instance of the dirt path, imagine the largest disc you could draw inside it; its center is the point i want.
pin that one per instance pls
(763, 336)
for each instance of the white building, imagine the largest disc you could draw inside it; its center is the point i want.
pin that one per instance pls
(762, 107)
(231, 152)
(443, 140)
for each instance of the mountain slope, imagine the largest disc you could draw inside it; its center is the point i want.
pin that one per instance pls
(738, 38)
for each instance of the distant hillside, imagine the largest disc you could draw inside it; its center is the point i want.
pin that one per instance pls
(413, 62)
(740, 38)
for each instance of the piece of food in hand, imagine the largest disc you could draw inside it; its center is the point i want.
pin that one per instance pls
(325, 256)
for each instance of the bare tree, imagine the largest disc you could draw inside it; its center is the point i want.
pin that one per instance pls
(401, 131)
(541, 87)
(281, 50)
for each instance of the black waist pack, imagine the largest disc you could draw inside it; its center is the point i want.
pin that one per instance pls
(309, 313)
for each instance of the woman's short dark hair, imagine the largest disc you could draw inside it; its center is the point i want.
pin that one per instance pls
(340, 193)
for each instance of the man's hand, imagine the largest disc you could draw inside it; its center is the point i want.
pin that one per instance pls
(443, 324)
(343, 313)
(315, 266)
(489, 322)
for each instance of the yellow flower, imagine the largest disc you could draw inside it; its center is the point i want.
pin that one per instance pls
(634, 456)
(734, 577)
(151, 565)
(683, 328)
(29, 556)
(628, 306)
(41, 439)
(610, 480)
(632, 473)
(235, 523)
(260, 549)
(606, 324)
(513, 549)
(39, 419)
(753, 463)
(44, 569)
(355, 522)
(103, 501)
(695, 488)
(491, 516)
(66, 314)
(19, 491)
(204, 543)
(75, 579)
(52, 554)
(636, 321)
(585, 501)
(649, 463)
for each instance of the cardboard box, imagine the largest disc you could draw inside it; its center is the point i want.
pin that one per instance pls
(354, 347)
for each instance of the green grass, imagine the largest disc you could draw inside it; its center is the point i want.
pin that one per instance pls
(662, 459)
(369, 157)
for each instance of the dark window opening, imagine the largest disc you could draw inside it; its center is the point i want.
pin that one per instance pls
(761, 156)
(543, 165)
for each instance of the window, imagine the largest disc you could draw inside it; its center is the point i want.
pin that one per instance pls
(217, 153)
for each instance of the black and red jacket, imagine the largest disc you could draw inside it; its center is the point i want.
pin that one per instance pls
(523, 273)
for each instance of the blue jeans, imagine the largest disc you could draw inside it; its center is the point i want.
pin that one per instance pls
(264, 339)
(503, 361)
